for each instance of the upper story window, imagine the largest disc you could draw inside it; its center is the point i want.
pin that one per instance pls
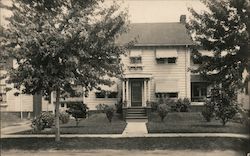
(135, 56)
(135, 60)
(166, 56)
(166, 60)
(2, 93)
(172, 60)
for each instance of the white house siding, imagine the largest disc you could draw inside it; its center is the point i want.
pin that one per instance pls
(92, 101)
(178, 71)
(18, 103)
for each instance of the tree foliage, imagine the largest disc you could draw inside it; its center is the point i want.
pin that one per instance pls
(78, 110)
(225, 31)
(62, 43)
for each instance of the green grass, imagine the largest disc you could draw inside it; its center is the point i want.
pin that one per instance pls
(192, 122)
(95, 124)
(160, 143)
(8, 119)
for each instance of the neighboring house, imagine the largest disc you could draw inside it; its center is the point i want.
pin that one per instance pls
(23, 105)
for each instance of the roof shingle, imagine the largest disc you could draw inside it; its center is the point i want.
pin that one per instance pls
(157, 34)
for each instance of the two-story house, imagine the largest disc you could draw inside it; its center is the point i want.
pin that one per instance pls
(157, 66)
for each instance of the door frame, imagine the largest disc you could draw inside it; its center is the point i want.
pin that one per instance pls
(131, 92)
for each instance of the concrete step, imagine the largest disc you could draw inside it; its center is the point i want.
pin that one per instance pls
(136, 115)
(137, 120)
(136, 112)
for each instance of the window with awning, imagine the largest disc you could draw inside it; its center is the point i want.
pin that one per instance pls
(135, 53)
(166, 53)
(107, 91)
(109, 88)
(166, 86)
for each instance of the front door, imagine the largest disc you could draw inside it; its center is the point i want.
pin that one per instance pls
(136, 93)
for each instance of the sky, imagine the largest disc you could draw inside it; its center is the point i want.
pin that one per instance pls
(146, 11)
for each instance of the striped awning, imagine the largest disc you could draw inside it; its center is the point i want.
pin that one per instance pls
(135, 53)
(166, 53)
(112, 88)
(197, 78)
(166, 86)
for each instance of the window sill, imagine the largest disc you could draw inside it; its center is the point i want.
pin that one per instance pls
(3, 104)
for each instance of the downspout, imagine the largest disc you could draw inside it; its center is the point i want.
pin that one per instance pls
(186, 71)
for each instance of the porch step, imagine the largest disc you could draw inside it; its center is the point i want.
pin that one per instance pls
(136, 114)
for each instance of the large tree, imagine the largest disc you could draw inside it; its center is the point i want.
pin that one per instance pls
(62, 43)
(224, 29)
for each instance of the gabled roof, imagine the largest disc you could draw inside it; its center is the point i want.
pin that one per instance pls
(157, 34)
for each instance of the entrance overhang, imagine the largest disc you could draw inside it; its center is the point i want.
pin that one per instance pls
(138, 75)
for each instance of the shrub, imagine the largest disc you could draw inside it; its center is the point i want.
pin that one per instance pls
(78, 110)
(109, 111)
(154, 105)
(119, 107)
(64, 117)
(170, 103)
(42, 121)
(208, 112)
(101, 107)
(182, 105)
(162, 111)
(225, 103)
(226, 110)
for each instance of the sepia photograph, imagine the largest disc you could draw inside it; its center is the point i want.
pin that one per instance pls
(125, 77)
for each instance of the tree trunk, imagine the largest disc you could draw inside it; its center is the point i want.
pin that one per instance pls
(57, 133)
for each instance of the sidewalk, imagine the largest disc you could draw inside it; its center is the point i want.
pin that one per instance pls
(165, 135)
(22, 126)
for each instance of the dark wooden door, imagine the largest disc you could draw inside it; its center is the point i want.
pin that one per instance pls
(136, 93)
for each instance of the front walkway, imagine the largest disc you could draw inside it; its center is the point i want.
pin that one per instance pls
(22, 126)
(134, 128)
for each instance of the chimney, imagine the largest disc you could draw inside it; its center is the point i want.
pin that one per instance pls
(183, 19)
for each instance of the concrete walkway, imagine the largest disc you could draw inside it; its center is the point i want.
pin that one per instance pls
(135, 129)
(123, 153)
(157, 135)
(22, 126)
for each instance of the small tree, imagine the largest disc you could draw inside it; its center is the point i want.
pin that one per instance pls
(162, 111)
(109, 111)
(78, 110)
(208, 112)
(182, 105)
(226, 108)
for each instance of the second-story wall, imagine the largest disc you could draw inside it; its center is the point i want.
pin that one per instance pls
(163, 72)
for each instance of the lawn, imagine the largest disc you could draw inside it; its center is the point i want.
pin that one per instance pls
(161, 143)
(192, 122)
(8, 119)
(95, 124)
